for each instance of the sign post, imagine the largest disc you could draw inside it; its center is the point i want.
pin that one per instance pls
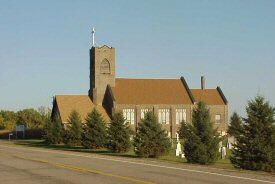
(10, 136)
(20, 128)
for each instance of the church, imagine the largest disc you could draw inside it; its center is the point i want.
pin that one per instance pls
(171, 100)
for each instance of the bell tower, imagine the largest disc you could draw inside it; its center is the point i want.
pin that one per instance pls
(102, 71)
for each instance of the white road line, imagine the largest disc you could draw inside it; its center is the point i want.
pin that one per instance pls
(145, 164)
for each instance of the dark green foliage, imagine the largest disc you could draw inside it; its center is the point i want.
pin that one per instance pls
(48, 132)
(151, 140)
(54, 131)
(119, 134)
(273, 148)
(201, 140)
(235, 125)
(94, 131)
(73, 132)
(254, 148)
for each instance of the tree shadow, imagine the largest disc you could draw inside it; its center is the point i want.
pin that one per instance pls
(63, 147)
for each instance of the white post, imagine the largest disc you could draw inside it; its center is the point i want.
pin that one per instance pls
(10, 136)
(223, 152)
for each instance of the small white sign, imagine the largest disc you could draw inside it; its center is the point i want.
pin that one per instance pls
(20, 128)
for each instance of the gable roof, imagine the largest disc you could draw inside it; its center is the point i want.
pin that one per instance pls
(150, 91)
(81, 103)
(209, 96)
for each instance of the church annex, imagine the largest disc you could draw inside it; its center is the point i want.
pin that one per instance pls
(171, 100)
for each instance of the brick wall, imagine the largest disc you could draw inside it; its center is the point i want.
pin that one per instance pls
(172, 126)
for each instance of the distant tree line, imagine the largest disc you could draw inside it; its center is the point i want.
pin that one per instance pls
(33, 119)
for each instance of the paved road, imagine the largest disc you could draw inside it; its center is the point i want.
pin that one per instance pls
(36, 165)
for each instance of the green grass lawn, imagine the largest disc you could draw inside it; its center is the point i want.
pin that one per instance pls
(171, 157)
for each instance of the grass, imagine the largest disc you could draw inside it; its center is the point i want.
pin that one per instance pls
(171, 157)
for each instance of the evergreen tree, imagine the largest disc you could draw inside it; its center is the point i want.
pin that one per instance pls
(254, 148)
(201, 140)
(235, 126)
(273, 148)
(73, 130)
(119, 134)
(151, 140)
(94, 131)
(54, 131)
(48, 132)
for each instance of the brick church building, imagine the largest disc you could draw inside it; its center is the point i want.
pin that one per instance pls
(171, 100)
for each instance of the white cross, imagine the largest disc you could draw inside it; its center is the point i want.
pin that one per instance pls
(93, 36)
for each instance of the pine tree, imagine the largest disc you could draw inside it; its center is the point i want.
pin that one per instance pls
(58, 131)
(48, 132)
(54, 131)
(94, 131)
(201, 140)
(73, 130)
(119, 134)
(273, 148)
(254, 148)
(235, 126)
(151, 140)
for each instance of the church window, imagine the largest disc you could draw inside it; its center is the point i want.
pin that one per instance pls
(105, 67)
(180, 115)
(143, 112)
(217, 118)
(129, 116)
(164, 116)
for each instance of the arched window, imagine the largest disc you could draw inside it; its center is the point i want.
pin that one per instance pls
(105, 67)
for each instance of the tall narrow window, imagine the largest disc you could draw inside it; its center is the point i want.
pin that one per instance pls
(164, 116)
(217, 118)
(180, 115)
(105, 67)
(129, 115)
(143, 112)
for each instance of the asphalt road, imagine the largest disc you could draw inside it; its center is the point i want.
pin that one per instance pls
(36, 165)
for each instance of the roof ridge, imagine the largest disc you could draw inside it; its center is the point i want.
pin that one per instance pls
(150, 91)
(187, 89)
(204, 89)
(72, 95)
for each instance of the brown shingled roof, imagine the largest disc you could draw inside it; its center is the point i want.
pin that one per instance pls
(150, 91)
(81, 103)
(209, 96)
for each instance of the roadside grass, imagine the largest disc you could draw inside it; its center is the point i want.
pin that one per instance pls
(170, 157)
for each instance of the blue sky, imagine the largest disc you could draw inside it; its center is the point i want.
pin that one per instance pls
(44, 46)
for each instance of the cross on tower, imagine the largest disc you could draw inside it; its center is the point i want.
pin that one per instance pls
(93, 37)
